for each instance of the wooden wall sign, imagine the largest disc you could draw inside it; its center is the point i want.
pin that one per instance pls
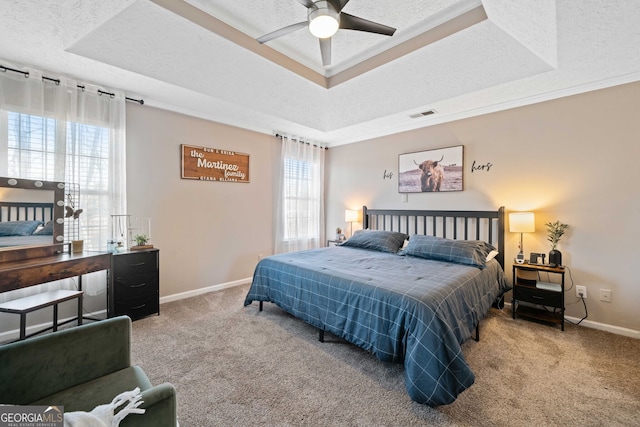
(212, 164)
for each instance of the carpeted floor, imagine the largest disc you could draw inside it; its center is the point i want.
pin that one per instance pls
(236, 366)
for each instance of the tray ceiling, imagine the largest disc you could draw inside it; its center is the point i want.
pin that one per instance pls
(457, 57)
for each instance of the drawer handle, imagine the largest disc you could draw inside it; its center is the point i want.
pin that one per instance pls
(138, 264)
(139, 286)
(138, 307)
(537, 297)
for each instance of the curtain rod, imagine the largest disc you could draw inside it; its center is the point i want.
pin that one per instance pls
(279, 135)
(57, 82)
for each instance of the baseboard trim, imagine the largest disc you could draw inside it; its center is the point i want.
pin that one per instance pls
(194, 293)
(618, 330)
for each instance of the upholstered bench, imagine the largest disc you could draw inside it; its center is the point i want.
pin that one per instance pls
(25, 305)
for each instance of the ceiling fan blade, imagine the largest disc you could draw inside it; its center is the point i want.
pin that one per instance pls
(281, 32)
(308, 4)
(338, 4)
(325, 51)
(350, 22)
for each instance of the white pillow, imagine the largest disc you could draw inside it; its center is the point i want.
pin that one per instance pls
(491, 255)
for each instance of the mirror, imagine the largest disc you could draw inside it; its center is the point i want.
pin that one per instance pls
(26, 202)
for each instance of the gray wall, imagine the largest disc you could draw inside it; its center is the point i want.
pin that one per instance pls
(208, 233)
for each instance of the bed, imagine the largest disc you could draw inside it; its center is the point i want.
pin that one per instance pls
(414, 304)
(25, 223)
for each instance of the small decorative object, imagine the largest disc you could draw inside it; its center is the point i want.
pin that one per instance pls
(72, 215)
(141, 242)
(77, 246)
(338, 233)
(555, 230)
(140, 239)
(121, 231)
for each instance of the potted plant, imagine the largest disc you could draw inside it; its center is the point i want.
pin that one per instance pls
(555, 230)
(141, 241)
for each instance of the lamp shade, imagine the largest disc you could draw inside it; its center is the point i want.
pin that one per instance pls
(522, 222)
(350, 215)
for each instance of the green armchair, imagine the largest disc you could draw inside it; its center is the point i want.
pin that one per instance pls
(80, 368)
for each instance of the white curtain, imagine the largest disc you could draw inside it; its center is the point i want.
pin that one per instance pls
(59, 129)
(300, 205)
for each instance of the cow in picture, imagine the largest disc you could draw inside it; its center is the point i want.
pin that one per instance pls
(432, 174)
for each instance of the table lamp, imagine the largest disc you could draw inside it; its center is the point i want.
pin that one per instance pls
(350, 216)
(521, 222)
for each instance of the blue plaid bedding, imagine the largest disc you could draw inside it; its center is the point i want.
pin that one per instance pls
(401, 308)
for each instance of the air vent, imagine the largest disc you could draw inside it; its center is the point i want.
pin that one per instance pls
(424, 113)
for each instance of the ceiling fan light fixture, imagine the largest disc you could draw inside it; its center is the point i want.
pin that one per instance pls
(323, 21)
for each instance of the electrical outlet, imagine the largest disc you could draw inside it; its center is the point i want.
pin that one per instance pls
(605, 295)
(581, 291)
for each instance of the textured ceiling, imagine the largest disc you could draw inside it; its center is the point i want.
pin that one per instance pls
(200, 57)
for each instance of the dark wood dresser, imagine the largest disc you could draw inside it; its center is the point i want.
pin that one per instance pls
(134, 284)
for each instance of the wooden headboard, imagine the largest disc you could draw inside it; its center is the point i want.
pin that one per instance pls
(460, 225)
(26, 211)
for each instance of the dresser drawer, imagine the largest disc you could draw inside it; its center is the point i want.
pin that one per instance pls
(136, 286)
(538, 296)
(136, 308)
(135, 263)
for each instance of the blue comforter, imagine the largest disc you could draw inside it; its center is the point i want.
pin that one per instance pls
(401, 308)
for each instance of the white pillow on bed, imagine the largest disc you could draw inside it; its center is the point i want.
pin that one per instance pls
(491, 255)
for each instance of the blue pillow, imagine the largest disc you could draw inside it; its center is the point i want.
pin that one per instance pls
(467, 252)
(376, 240)
(18, 228)
(47, 230)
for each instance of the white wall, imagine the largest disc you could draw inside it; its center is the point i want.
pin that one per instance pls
(573, 159)
(208, 233)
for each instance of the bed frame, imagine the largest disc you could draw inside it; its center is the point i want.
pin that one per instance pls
(458, 225)
(26, 211)
(487, 226)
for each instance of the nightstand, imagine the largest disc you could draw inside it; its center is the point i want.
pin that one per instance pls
(334, 242)
(528, 287)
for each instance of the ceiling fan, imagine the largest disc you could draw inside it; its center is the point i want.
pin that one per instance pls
(324, 18)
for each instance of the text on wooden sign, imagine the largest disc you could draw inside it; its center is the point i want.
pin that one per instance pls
(213, 164)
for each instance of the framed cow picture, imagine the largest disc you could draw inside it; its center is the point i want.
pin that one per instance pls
(431, 170)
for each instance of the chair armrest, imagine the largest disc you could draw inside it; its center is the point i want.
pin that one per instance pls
(160, 407)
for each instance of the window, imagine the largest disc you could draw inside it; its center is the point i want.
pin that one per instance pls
(37, 148)
(300, 207)
(300, 219)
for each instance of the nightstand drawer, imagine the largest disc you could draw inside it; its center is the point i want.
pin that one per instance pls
(136, 286)
(538, 296)
(135, 263)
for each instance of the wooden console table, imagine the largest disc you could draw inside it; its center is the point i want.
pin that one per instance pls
(35, 271)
